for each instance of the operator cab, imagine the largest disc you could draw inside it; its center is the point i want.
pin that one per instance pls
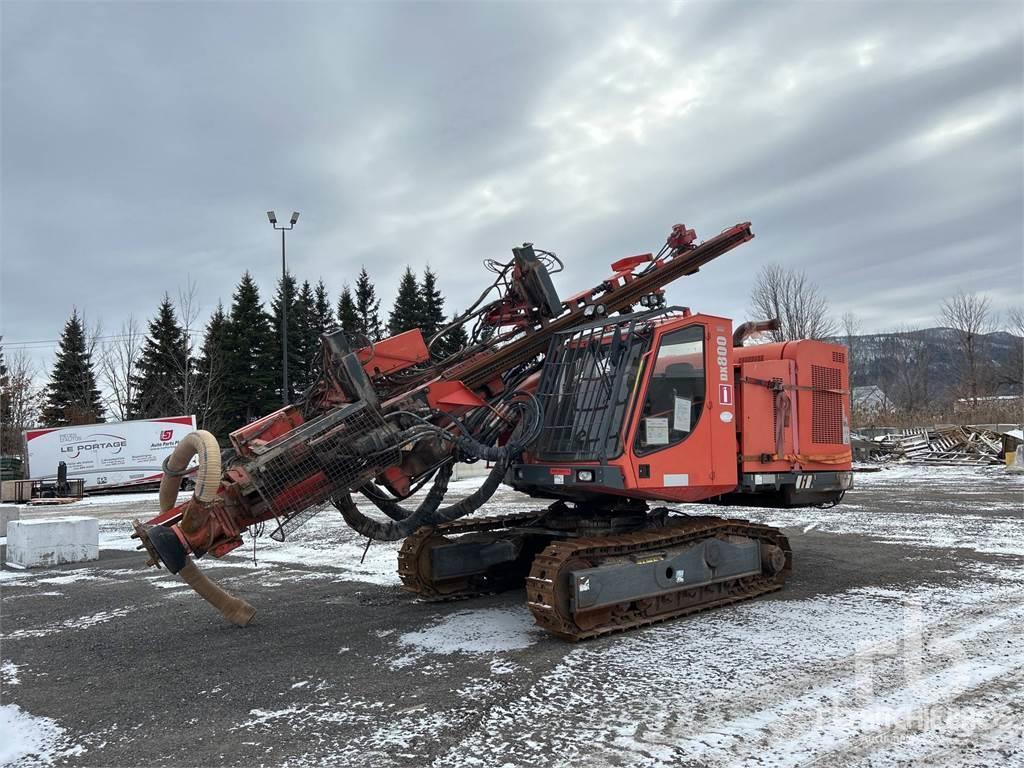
(658, 406)
(627, 411)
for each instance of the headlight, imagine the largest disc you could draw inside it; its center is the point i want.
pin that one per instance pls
(584, 475)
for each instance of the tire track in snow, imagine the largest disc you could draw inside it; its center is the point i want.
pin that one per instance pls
(637, 700)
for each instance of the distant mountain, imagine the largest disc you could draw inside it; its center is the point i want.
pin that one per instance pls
(877, 358)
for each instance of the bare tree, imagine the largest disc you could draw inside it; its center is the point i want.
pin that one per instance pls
(117, 367)
(1012, 374)
(851, 334)
(187, 375)
(23, 400)
(908, 356)
(798, 303)
(211, 392)
(970, 317)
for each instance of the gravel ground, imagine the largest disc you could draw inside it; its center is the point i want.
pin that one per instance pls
(897, 641)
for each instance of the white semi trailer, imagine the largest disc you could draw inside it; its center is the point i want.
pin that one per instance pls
(114, 455)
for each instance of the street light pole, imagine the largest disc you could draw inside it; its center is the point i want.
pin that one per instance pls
(284, 302)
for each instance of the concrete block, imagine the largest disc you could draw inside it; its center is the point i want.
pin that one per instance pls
(52, 541)
(467, 471)
(8, 512)
(14, 491)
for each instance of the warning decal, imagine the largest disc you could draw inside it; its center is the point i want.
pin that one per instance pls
(725, 394)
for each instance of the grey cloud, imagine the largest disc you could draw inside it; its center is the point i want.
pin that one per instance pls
(143, 141)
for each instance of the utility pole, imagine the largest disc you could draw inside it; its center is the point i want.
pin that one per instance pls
(284, 302)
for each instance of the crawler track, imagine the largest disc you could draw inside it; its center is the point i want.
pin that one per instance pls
(413, 558)
(547, 584)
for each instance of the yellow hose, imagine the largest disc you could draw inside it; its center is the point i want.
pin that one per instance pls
(232, 608)
(204, 445)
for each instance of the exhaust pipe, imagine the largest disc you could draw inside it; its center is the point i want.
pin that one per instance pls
(168, 546)
(751, 327)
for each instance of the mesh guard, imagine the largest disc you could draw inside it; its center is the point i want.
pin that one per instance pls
(299, 472)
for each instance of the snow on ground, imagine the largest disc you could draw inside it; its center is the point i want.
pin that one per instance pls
(954, 519)
(486, 631)
(27, 739)
(779, 684)
(9, 673)
(931, 673)
(76, 623)
(325, 542)
(125, 499)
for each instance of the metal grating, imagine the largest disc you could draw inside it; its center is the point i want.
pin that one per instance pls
(585, 388)
(826, 406)
(300, 471)
(750, 359)
(838, 357)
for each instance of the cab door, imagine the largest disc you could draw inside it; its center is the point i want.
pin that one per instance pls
(682, 438)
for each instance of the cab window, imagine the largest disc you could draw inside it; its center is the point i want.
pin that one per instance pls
(675, 395)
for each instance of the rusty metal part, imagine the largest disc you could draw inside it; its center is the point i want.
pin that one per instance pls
(414, 557)
(146, 544)
(547, 585)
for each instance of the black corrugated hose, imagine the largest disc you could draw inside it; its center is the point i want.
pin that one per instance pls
(403, 523)
(396, 511)
(393, 530)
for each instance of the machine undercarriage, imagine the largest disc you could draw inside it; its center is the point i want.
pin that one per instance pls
(590, 574)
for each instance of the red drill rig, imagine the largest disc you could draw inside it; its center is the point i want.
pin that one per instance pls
(602, 403)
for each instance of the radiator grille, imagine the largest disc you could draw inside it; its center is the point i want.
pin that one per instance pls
(827, 407)
(838, 357)
(750, 359)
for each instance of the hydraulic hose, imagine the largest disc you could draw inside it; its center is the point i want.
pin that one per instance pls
(204, 445)
(399, 529)
(428, 506)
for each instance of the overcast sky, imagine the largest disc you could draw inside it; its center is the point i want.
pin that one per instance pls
(876, 145)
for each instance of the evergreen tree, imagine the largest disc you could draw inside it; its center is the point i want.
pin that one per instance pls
(162, 368)
(286, 291)
(407, 312)
(210, 381)
(309, 335)
(323, 317)
(451, 342)
(348, 316)
(248, 374)
(367, 308)
(432, 317)
(72, 396)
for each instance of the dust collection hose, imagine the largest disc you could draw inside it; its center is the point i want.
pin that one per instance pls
(204, 445)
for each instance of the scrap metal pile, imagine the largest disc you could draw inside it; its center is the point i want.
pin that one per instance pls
(940, 446)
